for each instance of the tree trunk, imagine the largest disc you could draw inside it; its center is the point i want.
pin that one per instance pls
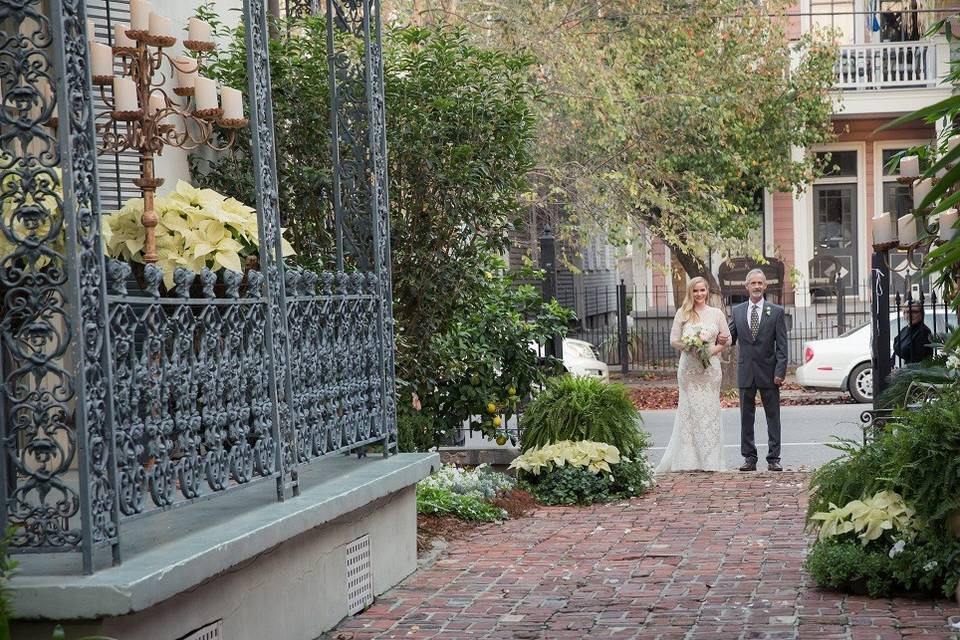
(694, 267)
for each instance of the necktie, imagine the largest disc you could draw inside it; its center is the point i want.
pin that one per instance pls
(754, 320)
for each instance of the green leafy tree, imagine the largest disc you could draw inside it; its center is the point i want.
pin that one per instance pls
(663, 115)
(460, 124)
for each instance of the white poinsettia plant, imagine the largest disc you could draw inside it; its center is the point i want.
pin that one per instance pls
(867, 518)
(197, 228)
(595, 456)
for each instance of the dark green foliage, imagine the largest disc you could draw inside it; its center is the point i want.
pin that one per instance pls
(857, 473)
(849, 566)
(7, 567)
(909, 382)
(433, 501)
(459, 129)
(923, 457)
(577, 485)
(930, 564)
(568, 485)
(576, 408)
(632, 478)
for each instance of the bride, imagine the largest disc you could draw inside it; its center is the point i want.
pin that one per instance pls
(701, 333)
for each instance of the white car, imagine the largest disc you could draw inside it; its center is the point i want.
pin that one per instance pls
(845, 363)
(580, 358)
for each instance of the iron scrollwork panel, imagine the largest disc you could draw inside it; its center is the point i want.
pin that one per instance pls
(191, 387)
(360, 176)
(268, 218)
(54, 404)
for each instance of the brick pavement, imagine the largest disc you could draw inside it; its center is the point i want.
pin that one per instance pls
(703, 556)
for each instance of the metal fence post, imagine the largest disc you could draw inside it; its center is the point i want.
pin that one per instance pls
(622, 327)
(881, 323)
(548, 262)
(841, 306)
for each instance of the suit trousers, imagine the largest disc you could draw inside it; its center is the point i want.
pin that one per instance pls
(771, 407)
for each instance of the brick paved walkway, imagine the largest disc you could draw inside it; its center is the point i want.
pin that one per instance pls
(702, 556)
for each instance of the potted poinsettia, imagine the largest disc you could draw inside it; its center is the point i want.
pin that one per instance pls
(197, 228)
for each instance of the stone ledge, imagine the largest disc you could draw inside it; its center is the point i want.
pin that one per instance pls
(171, 552)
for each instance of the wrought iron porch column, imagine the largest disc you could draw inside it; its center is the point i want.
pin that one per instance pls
(880, 275)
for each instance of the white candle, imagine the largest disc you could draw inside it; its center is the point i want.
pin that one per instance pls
(124, 94)
(948, 218)
(198, 30)
(920, 190)
(907, 230)
(140, 15)
(91, 32)
(205, 93)
(159, 25)
(157, 102)
(186, 71)
(232, 103)
(102, 56)
(883, 231)
(120, 37)
(909, 166)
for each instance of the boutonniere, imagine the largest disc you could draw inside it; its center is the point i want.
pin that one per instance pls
(766, 311)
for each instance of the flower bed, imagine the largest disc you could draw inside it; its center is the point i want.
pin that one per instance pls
(887, 513)
(464, 494)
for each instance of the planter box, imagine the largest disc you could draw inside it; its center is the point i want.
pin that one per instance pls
(251, 566)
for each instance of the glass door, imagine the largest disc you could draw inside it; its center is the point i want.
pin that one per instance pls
(835, 218)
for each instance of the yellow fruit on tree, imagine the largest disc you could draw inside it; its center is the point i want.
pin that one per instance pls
(501, 440)
(497, 421)
(491, 408)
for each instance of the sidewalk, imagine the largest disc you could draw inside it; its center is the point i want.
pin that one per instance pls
(703, 556)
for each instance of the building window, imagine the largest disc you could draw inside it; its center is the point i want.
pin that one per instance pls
(836, 15)
(901, 20)
(897, 198)
(835, 214)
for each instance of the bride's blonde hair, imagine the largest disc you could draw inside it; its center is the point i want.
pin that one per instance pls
(687, 312)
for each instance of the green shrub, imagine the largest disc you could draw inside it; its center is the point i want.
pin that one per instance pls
(632, 478)
(929, 563)
(571, 485)
(855, 474)
(433, 501)
(577, 408)
(922, 457)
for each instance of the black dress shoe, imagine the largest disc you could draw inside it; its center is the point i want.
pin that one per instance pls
(774, 466)
(748, 466)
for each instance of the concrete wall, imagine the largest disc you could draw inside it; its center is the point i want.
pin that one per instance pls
(294, 591)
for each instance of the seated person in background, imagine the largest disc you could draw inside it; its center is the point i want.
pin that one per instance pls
(912, 344)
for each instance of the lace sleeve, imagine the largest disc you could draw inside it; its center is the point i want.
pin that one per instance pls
(723, 328)
(676, 330)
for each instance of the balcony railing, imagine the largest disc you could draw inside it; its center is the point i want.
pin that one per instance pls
(887, 65)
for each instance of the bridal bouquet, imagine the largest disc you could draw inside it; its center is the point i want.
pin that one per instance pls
(697, 341)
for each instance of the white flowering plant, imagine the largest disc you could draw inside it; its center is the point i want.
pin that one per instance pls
(596, 457)
(480, 482)
(197, 228)
(868, 519)
(697, 340)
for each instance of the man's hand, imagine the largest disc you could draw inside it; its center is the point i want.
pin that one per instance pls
(723, 339)
(777, 380)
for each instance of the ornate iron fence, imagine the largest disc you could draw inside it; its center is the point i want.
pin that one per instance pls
(120, 398)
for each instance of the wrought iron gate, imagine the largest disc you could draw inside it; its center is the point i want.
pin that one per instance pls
(120, 399)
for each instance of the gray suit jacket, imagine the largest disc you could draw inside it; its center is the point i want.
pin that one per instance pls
(764, 357)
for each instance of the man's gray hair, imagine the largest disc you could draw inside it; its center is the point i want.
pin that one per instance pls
(755, 272)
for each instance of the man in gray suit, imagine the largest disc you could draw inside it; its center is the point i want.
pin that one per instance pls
(761, 329)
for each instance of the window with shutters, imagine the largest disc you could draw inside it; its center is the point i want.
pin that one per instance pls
(116, 171)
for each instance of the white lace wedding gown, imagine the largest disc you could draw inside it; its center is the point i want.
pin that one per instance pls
(697, 439)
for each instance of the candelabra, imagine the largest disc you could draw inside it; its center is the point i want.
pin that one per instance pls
(141, 115)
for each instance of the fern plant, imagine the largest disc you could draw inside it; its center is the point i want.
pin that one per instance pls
(577, 408)
(923, 456)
